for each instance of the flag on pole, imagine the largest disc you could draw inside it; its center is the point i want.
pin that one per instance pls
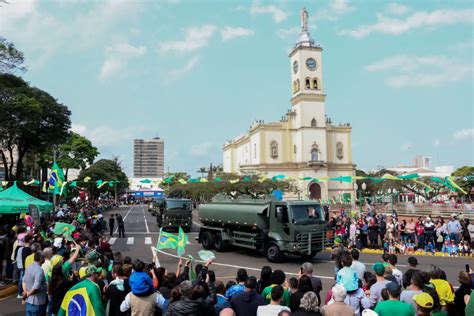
(167, 241)
(56, 179)
(182, 242)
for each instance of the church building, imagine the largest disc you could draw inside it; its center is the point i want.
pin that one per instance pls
(304, 143)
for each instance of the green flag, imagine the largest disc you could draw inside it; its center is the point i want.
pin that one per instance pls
(63, 229)
(56, 179)
(182, 242)
(167, 241)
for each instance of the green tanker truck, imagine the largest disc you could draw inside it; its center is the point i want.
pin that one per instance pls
(273, 227)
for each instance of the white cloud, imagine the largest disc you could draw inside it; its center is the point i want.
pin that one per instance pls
(177, 73)
(335, 10)
(117, 58)
(194, 39)
(201, 149)
(397, 8)
(78, 128)
(278, 14)
(228, 33)
(405, 147)
(420, 71)
(397, 26)
(466, 133)
(436, 143)
(42, 34)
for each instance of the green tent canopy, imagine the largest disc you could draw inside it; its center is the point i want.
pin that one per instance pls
(13, 200)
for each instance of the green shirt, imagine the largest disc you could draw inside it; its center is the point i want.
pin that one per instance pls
(387, 308)
(267, 295)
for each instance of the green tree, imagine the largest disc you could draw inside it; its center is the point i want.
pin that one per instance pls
(76, 153)
(465, 179)
(106, 170)
(11, 59)
(31, 122)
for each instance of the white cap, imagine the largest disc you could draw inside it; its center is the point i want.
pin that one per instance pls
(369, 312)
(58, 241)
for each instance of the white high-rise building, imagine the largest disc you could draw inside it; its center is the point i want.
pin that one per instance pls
(148, 158)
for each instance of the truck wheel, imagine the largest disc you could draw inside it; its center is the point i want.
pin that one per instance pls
(221, 245)
(273, 253)
(207, 240)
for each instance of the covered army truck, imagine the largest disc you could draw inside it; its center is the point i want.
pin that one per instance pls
(174, 213)
(273, 227)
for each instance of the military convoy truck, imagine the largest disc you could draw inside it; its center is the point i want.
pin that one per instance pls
(272, 227)
(173, 213)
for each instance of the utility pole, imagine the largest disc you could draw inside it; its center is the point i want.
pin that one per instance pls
(54, 193)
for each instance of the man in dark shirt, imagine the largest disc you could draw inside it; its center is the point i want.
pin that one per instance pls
(247, 302)
(307, 268)
(111, 224)
(117, 290)
(413, 263)
(121, 227)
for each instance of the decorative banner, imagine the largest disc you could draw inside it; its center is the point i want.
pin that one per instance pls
(388, 176)
(342, 179)
(73, 184)
(278, 177)
(409, 176)
(169, 180)
(450, 180)
(182, 181)
(203, 180)
(98, 182)
(234, 181)
(246, 179)
(102, 184)
(145, 181)
(87, 179)
(111, 183)
(217, 179)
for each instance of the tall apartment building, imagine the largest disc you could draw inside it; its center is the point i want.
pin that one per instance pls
(148, 159)
(423, 162)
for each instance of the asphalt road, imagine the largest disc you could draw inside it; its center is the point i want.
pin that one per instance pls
(142, 234)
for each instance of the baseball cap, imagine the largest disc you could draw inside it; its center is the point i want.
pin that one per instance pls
(58, 241)
(92, 256)
(82, 272)
(413, 261)
(378, 267)
(56, 259)
(91, 269)
(423, 299)
(337, 240)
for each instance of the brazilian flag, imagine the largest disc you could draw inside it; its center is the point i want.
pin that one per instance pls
(167, 241)
(182, 242)
(56, 179)
(83, 299)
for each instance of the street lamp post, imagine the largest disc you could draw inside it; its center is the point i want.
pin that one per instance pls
(363, 187)
(392, 192)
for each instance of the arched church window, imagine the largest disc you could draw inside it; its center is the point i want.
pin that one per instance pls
(274, 149)
(313, 122)
(315, 84)
(314, 154)
(308, 84)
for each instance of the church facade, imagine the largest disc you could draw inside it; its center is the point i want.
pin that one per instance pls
(304, 143)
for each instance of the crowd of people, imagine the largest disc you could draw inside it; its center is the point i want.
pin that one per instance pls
(376, 230)
(80, 274)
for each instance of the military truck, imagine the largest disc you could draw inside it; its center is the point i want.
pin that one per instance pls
(173, 213)
(155, 205)
(272, 227)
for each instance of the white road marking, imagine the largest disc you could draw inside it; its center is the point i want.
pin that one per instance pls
(147, 240)
(144, 218)
(130, 240)
(238, 267)
(112, 240)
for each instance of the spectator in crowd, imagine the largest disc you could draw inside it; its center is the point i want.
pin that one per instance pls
(117, 290)
(307, 269)
(463, 290)
(304, 285)
(35, 288)
(375, 290)
(309, 305)
(338, 308)
(358, 266)
(454, 228)
(392, 259)
(387, 307)
(415, 287)
(443, 288)
(276, 304)
(412, 267)
(247, 302)
(278, 278)
(240, 286)
(264, 281)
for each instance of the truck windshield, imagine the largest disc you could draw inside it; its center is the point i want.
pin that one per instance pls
(178, 204)
(306, 214)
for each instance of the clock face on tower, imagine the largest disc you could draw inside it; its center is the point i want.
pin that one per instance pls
(311, 63)
(295, 67)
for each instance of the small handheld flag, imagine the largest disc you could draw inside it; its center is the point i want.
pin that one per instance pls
(167, 241)
(63, 229)
(182, 241)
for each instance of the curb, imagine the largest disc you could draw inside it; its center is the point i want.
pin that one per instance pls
(8, 291)
(416, 253)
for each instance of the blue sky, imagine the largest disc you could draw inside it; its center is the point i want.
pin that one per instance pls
(197, 73)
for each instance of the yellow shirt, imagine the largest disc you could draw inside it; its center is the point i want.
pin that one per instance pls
(445, 293)
(29, 260)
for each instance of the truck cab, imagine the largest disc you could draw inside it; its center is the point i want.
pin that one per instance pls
(174, 213)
